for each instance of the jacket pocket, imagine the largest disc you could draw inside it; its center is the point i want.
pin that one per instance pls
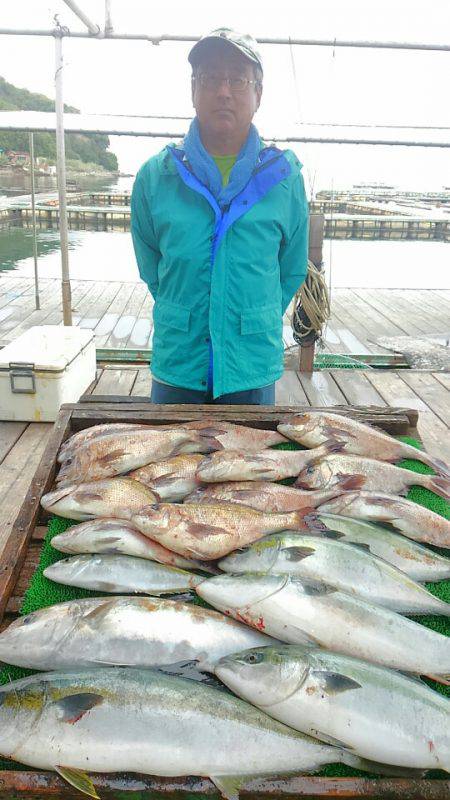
(259, 320)
(172, 315)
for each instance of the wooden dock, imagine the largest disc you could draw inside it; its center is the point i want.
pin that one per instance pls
(22, 444)
(120, 313)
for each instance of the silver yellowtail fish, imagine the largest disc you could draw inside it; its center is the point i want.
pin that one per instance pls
(266, 465)
(115, 536)
(300, 612)
(113, 497)
(110, 455)
(313, 428)
(345, 566)
(121, 574)
(342, 699)
(208, 531)
(123, 631)
(265, 496)
(131, 720)
(413, 520)
(419, 562)
(356, 472)
(172, 480)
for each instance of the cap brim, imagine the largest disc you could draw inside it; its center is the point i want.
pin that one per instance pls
(207, 42)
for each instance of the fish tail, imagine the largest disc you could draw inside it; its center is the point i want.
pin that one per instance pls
(302, 519)
(435, 463)
(443, 679)
(440, 486)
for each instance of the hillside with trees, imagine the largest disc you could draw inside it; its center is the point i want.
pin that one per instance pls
(85, 149)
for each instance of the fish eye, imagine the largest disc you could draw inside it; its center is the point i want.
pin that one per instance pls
(253, 658)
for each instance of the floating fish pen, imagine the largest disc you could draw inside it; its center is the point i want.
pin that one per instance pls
(384, 227)
(347, 207)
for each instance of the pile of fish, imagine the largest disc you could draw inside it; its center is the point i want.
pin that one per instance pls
(309, 589)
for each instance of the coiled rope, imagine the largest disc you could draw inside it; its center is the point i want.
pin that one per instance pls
(311, 307)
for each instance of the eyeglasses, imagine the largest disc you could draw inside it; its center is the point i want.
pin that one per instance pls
(213, 82)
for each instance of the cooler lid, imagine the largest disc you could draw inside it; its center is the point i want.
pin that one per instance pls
(48, 347)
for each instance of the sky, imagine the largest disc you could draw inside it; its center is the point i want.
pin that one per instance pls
(309, 84)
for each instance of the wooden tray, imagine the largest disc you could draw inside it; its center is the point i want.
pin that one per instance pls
(21, 555)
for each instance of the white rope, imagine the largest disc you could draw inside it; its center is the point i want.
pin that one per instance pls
(313, 299)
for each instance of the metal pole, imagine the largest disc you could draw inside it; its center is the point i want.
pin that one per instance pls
(33, 214)
(93, 29)
(61, 173)
(108, 19)
(167, 37)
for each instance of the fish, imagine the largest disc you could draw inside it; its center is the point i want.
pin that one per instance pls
(413, 520)
(267, 465)
(172, 480)
(356, 472)
(94, 431)
(111, 455)
(341, 699)
(345, 566)
(419, 562)
(313, 428)
(307, 612)
(114, 536)
(115, 497)
(123, 631)
(209, 531)
(121, 574)
(272, 498)
(143, 721)
(236, 437)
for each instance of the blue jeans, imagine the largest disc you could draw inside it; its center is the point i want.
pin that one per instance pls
(162, 393)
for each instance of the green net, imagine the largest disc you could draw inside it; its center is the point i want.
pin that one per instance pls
(42, 592)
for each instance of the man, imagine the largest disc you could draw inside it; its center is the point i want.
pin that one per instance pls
(220, 232)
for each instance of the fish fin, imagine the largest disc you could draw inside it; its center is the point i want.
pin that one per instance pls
(315, 588)
(75, 706)
(112, 456)
(364, 547)
(333, 446)
(78, 779)
(334, 683)
(211, 431)
(81, 496)
(325, 737)
(332, 534)
(101, 611)
(329, 430)
(298, 553)
(350, 483)
(440, 486)
(309, 517)
(443, 679)
(383, 769)
(199, 530)
(230, 785)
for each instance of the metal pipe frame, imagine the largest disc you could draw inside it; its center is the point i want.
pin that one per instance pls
(37, 301)
(93, 29)
(61, 173)
(157, 39)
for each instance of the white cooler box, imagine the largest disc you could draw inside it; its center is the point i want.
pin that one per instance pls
(45, 367)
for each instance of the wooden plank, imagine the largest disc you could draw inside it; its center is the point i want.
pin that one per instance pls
(90, 412)
(436, 396)
(15, 549)
(432, 430)
(321, 389)
(356, 387)
(98, 308)
(115, 381)
(36, 785)
(289, 391)
(117, 308)
(16, 472)
(10, 432)
(143, 383)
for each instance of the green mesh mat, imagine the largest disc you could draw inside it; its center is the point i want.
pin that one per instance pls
(42, 592)
(338, 361)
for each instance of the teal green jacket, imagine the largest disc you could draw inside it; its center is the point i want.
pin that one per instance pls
(221, 278)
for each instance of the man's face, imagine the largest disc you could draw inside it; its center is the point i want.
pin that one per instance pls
(220, 109)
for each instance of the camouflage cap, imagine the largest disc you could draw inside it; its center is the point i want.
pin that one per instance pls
(242, 42)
